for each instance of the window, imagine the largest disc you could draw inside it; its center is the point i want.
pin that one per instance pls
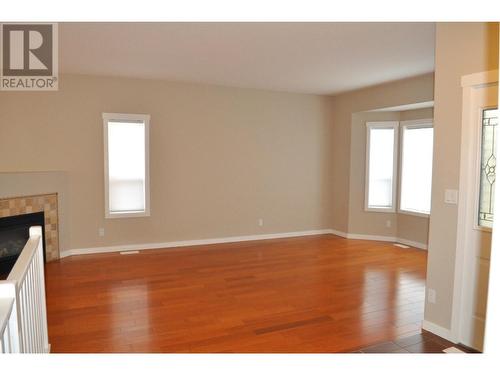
(487, 168)
(126, 161)
(416, 166)
(381, 164)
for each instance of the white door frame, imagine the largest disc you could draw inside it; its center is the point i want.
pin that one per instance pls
(491, 338)
(467, 168)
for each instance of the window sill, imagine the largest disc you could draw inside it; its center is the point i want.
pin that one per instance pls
(414, 213)
(483, 229)
(124, 215)
(380, 210)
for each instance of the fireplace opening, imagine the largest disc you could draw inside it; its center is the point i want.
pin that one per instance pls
(14, 233)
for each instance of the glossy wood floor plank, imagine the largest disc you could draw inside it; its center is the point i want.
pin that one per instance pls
(307, 294)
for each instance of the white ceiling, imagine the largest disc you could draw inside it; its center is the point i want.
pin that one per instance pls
(320, 58)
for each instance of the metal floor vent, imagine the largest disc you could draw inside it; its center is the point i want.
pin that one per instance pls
(452, 349)
(401, 245)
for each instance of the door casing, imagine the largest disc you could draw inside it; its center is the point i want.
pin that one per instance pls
(467, 169)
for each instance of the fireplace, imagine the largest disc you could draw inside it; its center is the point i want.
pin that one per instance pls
(46, 203)
(14, 232)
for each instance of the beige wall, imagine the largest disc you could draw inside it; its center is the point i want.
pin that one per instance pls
(408, 91)
(289, 147)
(361, 221)
(403, 226)
(461, 48)
(221, 158)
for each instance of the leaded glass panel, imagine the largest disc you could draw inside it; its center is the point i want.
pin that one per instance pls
(488, 167)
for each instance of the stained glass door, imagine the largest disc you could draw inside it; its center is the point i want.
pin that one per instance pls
(489, 127)
(477, 181)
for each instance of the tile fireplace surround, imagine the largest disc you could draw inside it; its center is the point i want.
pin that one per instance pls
(37, 203)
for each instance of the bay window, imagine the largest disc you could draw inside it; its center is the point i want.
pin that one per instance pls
(414, 153)
(416, 167)
(381, 165)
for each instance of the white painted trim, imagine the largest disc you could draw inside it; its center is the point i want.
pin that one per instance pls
(107, 117)
(417, 124)
(418, 245)
(382, 125)
(209, 241)
(470, 83)
(255, 237)
(339, 233)
(465, 146)
(364, 237)
(406, 107)
(491, 339)
(438, 330)
(413, 213)
(370, 237)
(481, 78)
(126, 116)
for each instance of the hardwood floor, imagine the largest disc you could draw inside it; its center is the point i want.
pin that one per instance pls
(307, 294)
(425, 342)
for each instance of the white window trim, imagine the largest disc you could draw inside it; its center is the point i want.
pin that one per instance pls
(382, 125)
(410, 124)
(106, 117)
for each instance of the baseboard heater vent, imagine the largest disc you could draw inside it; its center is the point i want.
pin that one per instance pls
(453, 350)
(401, 245)
(129, 252)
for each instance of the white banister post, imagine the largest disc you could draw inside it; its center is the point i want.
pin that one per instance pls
(8, 290)
(25, 286)
(41, 297)
(36, 231)
(40, 275)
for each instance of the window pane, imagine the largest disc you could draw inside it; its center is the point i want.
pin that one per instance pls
(381, 167)
(126, 166)
(488, 165)
(416, 169)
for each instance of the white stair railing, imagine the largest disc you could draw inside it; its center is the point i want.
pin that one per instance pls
(9, 330)
(23, 313)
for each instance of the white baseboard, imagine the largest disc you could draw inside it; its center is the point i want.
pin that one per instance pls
(371, 237)
(418, 245)
(209, 241)
(255, 237)
(338, 233)
(445, 333)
